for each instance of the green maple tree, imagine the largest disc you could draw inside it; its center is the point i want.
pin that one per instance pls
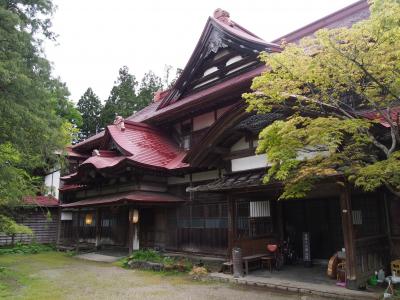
(323, 84)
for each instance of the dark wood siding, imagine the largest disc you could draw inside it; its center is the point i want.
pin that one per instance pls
(44, 227)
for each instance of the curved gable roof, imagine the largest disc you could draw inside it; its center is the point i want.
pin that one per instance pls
(219, 32)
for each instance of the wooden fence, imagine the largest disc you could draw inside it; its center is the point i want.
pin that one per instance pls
(43, 226)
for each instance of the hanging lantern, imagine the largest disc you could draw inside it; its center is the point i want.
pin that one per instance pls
(89, 219)
(135, 217)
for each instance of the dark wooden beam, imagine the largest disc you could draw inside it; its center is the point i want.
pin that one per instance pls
(77, 230)
(98, 227)
(349, 238)
(58, 226)
(231, 224)
(220, 150)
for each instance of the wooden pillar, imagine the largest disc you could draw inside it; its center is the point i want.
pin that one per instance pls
(58, 227)
(231, 224)
(280, 219)
(349, 238)
(77, 230)
(98, 226)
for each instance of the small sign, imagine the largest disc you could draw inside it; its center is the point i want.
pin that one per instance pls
(306, 249)
(66, 216)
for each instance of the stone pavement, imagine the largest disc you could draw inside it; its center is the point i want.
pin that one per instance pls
(95, 256)
(324, 290)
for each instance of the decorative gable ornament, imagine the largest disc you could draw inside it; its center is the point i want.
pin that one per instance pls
(215, 43)
(119, 123)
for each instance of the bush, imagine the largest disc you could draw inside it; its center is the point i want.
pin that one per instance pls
(147, 255)
(26, 248)
(152, 257)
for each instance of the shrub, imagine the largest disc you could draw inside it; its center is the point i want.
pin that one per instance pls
(26, 248)
(147, 255)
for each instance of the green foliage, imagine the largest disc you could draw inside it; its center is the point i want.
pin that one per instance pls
(90, 107)
(147, 255)
(170, 264)
(322, 83)
(15, 182)
(122, 100)
(127, 96)
(26, 248)
(35, 114)
(150, 84)
(9, 227)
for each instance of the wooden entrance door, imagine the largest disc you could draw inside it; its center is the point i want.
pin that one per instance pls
(320, 217)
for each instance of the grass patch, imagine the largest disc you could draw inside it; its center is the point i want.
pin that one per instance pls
(32, 248)
(18, 275)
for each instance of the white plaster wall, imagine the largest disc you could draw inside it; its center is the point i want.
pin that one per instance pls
(249, 163)
(52, 183)
(199, 176)
(222, 110)
(203, 121)
(208, 175)
(240, 145)
(178, 180)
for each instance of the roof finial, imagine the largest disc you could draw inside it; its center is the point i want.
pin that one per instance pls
(119, 122)
(223, 16)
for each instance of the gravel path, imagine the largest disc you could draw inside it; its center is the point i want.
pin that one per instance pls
(56, 276)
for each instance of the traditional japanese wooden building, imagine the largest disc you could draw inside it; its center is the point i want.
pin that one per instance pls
(182, 174)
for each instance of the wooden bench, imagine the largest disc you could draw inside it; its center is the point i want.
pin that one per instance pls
(227, 267)
(251, 259)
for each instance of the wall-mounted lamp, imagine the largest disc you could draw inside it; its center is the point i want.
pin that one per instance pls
(89, 219)
(134, 216)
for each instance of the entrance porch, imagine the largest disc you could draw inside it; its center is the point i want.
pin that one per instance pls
(300, 280)
(333, 218)
(119, 222)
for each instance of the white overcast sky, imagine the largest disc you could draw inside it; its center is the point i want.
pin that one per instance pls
(97, 37)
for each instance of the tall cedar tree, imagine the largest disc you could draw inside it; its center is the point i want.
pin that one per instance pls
(89, 105)
(323, 84)
(122, 100)
(127, 98)
(32, 121)
(150, 84)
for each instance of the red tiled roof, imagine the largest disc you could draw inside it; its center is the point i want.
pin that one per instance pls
(208, 94)
(143, 114)
(45, 201)
(139, 144)
(333, 20)
(237, 30)
(74, 154)
(146, 145)
(94, 139)
(135, 197)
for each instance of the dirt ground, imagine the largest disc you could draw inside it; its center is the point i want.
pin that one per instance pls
(59, 276)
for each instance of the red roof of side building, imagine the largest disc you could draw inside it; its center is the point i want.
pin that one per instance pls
(376, 116)
(45, 201)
